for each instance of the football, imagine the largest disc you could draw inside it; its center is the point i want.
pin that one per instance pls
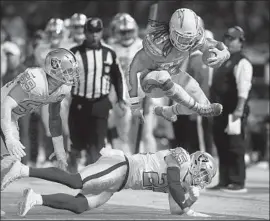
(207, 54)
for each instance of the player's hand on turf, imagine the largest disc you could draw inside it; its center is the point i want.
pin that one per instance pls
(190, 212)
(194, 193)
(15, 148)
(62, 164)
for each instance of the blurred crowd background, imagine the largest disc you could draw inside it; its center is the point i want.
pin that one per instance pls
(24, 22)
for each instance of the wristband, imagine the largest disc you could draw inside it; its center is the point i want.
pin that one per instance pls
(134, 100)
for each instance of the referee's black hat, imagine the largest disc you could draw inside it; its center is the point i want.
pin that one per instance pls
(93, 25)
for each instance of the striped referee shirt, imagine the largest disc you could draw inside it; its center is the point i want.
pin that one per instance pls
(99, 68)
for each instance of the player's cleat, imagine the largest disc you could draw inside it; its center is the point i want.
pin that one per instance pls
(13, 174)
(2, 213)
(27, 202)
(211, 110)
(160, 111)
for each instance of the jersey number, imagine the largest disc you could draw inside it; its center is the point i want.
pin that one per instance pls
(26, 107)
(27, 82)
(151, 181)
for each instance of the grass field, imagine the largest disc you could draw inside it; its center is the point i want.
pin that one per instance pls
(138, 205)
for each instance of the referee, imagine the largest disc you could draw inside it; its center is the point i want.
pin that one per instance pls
(90, 105)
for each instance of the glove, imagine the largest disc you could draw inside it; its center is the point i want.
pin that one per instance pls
(194, 193)
(62, 164)
(219, 59)
(15, 148)
(190, 212)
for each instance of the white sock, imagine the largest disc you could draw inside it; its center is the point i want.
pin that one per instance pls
(39, 199)
(25, 170)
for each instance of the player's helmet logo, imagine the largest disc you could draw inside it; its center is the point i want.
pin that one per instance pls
(55, 63)
(61, 64)
(203, 158)
(94, 23)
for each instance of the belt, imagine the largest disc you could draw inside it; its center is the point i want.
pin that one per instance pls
(76, 97)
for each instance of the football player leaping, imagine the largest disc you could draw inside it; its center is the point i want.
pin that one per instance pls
(165, 47)
(172, 171)
(30, 90)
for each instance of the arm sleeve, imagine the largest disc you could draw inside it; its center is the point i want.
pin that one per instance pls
(117, 77)
(176, 189)
(55, 121)
(243, 74)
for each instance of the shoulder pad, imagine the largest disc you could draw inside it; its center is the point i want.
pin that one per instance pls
(33, 81)
(180, 155)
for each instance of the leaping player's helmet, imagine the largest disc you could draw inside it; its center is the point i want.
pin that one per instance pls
(202, 168)
(54, 30)
(77, 22)
(184, 28)
(61, 64)
(124, 28)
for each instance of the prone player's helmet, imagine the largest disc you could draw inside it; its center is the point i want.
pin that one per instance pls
(124, 28)
(202, 168)
(77, 22)
(54, 30)
(184, 29)
(61, 64)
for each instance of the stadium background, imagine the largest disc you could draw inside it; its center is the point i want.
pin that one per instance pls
(24, 18)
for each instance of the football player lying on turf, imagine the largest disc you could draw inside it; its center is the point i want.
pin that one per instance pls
(166, 46)
(172, 171)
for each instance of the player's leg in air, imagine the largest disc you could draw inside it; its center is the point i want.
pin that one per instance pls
(161, 79)
(153, 79)
(191, 86)
(97, 183)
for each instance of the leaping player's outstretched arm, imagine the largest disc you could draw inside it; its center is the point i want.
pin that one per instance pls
(217, 47)
(8, 124)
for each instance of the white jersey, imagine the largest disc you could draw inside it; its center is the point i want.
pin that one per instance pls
(149, 171)
(34, 82)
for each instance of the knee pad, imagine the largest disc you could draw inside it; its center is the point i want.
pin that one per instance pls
(156, 82)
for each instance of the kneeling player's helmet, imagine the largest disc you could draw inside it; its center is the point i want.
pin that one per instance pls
(202, 168)
(61, 64)
(184, 28)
